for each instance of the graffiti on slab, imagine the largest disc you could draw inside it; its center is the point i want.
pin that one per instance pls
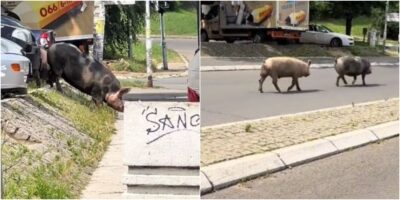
(176, 120)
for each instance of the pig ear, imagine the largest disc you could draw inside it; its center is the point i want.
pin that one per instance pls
(309, 62)
(123, 91)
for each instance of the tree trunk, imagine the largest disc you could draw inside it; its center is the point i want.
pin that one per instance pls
(349, 19)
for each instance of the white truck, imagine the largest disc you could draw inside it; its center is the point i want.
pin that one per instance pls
(255, 20)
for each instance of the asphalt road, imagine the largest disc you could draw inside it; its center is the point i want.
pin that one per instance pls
(185, 47)
(233, 95)
(228, 61)
(368, 172)
(176, 83)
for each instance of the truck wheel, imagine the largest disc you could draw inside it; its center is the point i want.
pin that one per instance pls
(336, 42)
(204, 36)
(229, 40)
(258, 38)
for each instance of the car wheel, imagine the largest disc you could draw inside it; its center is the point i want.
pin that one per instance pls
(258, 37)
(229, 40)
(204, 36)
(336, 42)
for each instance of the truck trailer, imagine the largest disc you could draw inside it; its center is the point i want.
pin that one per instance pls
(253, 20)
(72, 21)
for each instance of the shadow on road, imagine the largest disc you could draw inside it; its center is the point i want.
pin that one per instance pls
(293, 91)
(361, 86)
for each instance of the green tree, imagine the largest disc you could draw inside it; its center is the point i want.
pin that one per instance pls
(344, 9)
(119, 21)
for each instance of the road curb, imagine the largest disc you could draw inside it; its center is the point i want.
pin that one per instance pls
(169, 36)
(227, 173)
(257, 67)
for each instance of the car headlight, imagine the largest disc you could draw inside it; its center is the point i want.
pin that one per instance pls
(22, 34)
(26, 66)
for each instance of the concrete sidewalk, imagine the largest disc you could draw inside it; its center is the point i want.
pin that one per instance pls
(106, 181)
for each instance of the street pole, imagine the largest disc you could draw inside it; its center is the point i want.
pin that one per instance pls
(149, 70)
(163, 43)
(129, 40)
(385, 28)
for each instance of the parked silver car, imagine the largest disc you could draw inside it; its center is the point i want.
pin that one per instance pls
(14, 68)
(319, 34)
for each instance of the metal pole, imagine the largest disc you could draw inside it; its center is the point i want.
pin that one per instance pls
(129, 40)
(385, 28)
(149, 70)
(163, 43)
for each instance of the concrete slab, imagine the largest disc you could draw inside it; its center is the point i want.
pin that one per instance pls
(164, 180)
(386, 130)
(230, 172)
(154, 196)
(308, 151)
(352, 139)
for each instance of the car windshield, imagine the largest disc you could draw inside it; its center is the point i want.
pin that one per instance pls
(323, 29)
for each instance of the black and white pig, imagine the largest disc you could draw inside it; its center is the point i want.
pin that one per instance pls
(86, 74)
(351, 66)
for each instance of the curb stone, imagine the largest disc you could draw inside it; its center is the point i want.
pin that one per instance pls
(227, 173)
(305, 152)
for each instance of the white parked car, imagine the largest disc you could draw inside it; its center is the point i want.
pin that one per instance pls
(319, 34)
(14, 68)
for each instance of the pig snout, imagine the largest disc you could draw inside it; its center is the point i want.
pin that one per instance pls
(117, 105)
(115, 100)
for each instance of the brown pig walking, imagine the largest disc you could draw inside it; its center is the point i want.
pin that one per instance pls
(278, 67)
(86, 74)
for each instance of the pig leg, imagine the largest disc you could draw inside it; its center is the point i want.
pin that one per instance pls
(275, 82)
(37, 77)
(261, 81)
(363, 79)
(337, 81)
(97, 97)
(344, 80)
(354, 81)
(58, 85)
(293, 83)
(297, 85)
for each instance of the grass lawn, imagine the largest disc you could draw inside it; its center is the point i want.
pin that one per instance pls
(181, 22)
(138, 62)
(339, 26)
(132, 83)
